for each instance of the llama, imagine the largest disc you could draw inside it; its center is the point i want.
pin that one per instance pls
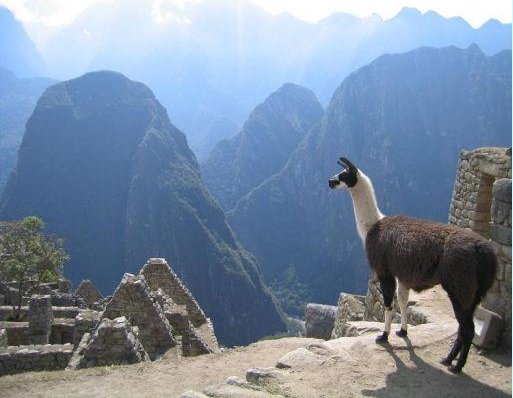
(419, 254)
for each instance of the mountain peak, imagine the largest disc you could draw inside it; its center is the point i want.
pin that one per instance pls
(408, 12)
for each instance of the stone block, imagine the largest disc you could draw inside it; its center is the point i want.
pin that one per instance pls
(320, 320)
(3, 338)
(502, 190)
(488, 328)
(501, 234)
(500, 212)
(40, 316)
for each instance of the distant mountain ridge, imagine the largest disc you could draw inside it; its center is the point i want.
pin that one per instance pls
(102, 164)
(403, 119)
(18, 98)
(17, 52)
(215, 61)
(266, 141)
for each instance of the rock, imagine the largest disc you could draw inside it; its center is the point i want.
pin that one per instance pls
(502, 190)
(349, 308)
(262, 375)
(489, 327)
(192, 394)
(228, 391)
(501, 234)
(238, 382)
(299, 358)
(320, 320)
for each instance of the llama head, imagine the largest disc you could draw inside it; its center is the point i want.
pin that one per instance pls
(348, 178)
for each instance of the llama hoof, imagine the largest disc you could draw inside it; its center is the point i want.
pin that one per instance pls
(446, 362)
(401, 333)
(382, 338)
(454, 369)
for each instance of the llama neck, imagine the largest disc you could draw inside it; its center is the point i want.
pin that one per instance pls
(366, 209)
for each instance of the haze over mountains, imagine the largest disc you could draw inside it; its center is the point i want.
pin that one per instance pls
(101, 163)
(403, 119)
(232, 54)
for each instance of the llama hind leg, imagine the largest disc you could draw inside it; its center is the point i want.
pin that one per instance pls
(402, 298)
(467, 335)
(388, 288)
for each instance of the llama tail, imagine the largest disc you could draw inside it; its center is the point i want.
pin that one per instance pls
(486, 269)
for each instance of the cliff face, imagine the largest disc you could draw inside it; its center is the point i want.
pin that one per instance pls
(269, 136)
(102, 164)
(403, 120)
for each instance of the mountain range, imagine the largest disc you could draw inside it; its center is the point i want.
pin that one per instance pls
(403, 120)
(212, 62)
(102, 164)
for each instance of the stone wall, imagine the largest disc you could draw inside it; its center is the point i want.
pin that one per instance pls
(159, 275)
(38, 357)
(481, 201)
(58, 312)
(112, 343)
(132, 299)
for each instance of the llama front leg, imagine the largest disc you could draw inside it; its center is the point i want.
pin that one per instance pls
(402, 298)
(388, 289)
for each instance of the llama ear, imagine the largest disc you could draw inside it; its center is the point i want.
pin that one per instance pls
(351, 166)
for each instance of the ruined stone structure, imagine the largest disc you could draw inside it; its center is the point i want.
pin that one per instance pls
(140, 321)
(89, 293)
(112, 343)
(481, 201)
(149, 313)
(132, 300)
(159, 275)
(43, 339)
(181, 308)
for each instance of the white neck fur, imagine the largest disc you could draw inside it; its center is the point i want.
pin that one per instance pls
(366, 209)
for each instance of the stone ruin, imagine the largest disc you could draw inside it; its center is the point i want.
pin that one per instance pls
(89, 293)
(113, 342)
(149, 315)
(481, 201)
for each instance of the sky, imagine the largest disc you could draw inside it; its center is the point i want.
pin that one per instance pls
(54, 13)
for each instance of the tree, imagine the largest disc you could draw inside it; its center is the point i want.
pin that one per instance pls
(28, 256)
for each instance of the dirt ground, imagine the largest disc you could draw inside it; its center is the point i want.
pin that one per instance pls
(348, 367)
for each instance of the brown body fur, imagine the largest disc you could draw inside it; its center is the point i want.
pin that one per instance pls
(422, 254)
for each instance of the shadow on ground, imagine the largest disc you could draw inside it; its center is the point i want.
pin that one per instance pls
(411, 382)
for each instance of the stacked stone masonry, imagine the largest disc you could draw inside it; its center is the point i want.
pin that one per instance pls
(112, 343)
(481, 201)
(137, 323)
(132, 299)
(34, 357)
(159, 275)
(89, 293)
(40, 319)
